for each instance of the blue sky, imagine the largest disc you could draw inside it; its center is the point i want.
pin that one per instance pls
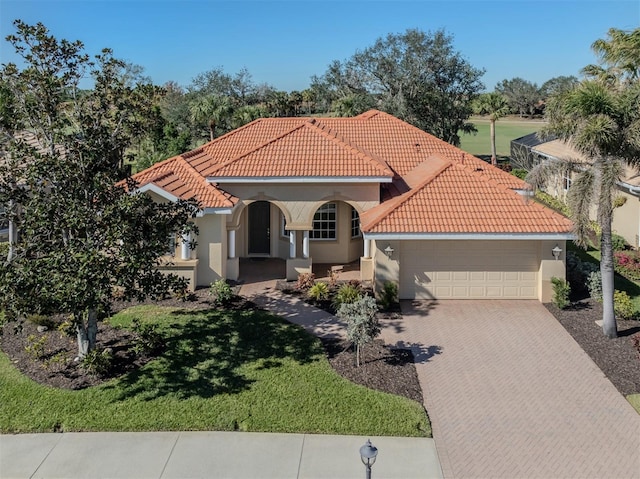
(284, 43)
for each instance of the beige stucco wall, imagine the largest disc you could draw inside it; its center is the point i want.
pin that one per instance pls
(550, 267)
(212, 248)
(626, 218)
(343, 249)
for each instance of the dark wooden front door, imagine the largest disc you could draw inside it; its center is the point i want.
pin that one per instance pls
(259, 221)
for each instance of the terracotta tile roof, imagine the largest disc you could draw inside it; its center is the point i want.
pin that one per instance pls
(436, 187)
(308, 149)
(178, 178)
(454, 198)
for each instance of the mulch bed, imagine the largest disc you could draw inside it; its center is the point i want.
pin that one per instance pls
(382, 368)
(617, 358)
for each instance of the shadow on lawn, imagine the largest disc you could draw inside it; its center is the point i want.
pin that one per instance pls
(204, 354)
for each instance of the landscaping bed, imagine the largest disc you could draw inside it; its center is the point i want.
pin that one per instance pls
(617, 358)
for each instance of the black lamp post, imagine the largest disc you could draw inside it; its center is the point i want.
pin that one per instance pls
(368, 454)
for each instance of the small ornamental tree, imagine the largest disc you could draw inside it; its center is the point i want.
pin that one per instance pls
(362, 324)
(82, 234)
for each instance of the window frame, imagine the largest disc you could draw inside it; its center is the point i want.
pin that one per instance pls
(330, 208)
(355, 223)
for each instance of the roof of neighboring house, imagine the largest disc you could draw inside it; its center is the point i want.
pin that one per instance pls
(529, 140)
(427, 185)
(560, 149)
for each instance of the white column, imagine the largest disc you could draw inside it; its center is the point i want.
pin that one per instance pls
(231, 239)
(292, 244)
(186, 251)
(367, 248)
(305, 244)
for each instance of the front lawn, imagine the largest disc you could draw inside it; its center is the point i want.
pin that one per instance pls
(222, 370)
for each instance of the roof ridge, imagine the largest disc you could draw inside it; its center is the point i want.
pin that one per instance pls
(262, 145)
(221, 194)
(336, 135)
(399, 200)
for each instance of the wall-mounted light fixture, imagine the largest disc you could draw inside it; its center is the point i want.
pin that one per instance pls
(388, 251)
(556, 252)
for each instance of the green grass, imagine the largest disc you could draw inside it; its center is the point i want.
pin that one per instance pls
(506, 130)
(634, 399)
(222, 370)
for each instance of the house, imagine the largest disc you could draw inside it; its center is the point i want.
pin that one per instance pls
(626, 215)
(409, 207)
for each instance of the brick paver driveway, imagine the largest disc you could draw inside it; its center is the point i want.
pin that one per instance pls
(510, 393)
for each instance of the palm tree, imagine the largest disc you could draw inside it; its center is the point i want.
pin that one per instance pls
(496, 106)
(214, 110)
(603, 123)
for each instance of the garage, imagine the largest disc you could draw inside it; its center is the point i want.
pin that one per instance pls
(464, 269)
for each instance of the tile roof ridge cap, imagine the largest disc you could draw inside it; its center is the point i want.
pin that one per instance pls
(394, 203)
(156, 166)
(432, 172)
(271, 140)
(219, 192)
(235, 131)
(336, 136)
(475, 159)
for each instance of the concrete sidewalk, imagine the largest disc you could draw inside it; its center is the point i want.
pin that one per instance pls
(228, 455)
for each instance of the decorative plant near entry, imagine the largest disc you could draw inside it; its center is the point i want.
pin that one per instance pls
(362, 324)
(561, 291)
(318, 292)
(221, 292)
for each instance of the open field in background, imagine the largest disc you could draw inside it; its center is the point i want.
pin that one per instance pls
(507, 129)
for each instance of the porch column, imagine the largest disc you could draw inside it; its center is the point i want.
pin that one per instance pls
(231, 240)
(305, 244)
(185, 250)
(367, 248)
(292, 244)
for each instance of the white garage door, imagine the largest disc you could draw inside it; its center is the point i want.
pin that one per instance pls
(469, 269)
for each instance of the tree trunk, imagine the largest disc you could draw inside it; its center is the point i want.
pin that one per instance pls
(494, 160)
(609, 326)
(212, 129)
(87, 332)
(357, 355)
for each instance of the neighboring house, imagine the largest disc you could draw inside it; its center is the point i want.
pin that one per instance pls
(409, 207)
(626, 215)
(520, 154)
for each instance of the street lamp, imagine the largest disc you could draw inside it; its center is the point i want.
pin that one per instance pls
(368, 454)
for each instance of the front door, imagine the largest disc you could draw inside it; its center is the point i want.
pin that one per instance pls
(259, 222)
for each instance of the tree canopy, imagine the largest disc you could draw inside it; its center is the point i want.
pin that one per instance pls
(84, 236)
(416, 76)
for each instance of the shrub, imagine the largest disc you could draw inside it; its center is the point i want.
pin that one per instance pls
(35, 346)
(561, 289)
(520, 173)
(98, 362)
(221, 292)
(594, 285)
(389, 294)
(183, 294)
(333, 275)
(618, 242)
(552, 202)
(627, 263)
(148, 340)
(622, 305)
(318, 292)
(362, 323)
(68, 327)
(347, 293)
(305, 281)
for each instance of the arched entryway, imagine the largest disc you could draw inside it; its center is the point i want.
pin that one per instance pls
(259, 228)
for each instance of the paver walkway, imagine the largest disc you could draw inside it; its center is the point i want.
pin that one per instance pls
(510, 394)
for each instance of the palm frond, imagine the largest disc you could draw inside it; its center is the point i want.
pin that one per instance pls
(579, 199)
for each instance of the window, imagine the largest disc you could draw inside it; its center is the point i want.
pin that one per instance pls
(566, 180)
(324, 222)
(355, 223)
(171, 245)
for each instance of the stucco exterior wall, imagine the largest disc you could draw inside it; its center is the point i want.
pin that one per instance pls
(212, 248)
(550, 267)
(626, 218)
(343, 249)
